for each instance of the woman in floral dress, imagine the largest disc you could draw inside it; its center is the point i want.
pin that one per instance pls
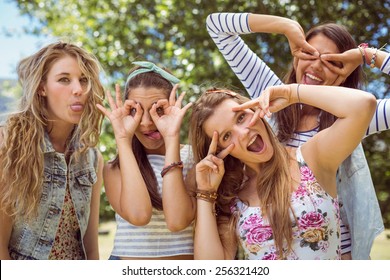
(259, 198)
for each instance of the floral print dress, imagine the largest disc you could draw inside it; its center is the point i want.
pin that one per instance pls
(316, 230)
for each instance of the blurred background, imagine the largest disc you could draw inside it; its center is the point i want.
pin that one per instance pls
(172, 33)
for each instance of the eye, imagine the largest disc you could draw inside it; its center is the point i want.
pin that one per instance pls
(84, 81)
(160, 111)
(64, 80)
(241, 118)
(226, 136)
(133, 111)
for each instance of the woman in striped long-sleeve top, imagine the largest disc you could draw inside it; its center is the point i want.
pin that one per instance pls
(315, 62)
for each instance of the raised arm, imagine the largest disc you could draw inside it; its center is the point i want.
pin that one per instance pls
(328, 148)
(250, 69)
(350, 60)
(125, 187)
(208, 244)
(179, 207)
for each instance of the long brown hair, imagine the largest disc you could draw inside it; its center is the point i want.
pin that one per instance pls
(288, 119)
(21, 151)
(274, 186)
(146, 80)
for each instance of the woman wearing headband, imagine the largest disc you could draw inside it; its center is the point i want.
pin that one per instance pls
(145, 182)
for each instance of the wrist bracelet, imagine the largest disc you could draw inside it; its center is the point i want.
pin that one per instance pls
(206, 195)
(165, 170)
(373, 59)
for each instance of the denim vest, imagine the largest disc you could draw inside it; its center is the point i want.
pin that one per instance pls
(34, 240)
(360, 211)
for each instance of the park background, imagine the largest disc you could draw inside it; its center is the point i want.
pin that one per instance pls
(172, 33)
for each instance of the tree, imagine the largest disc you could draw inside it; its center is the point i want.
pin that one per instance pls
(172, 33)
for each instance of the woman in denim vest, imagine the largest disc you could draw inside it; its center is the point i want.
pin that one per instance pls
(50, 170)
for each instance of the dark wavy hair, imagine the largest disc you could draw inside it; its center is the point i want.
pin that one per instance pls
(288, 119)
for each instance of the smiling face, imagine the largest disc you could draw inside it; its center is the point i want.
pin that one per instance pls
(147, 132)
(314, 72)
(65, 89)
(251, 144)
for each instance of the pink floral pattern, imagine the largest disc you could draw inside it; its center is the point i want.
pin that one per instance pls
(316, 232)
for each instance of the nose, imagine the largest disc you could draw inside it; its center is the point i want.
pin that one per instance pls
(146, 119)
(317, 64)
(77, 88)
(241, 132)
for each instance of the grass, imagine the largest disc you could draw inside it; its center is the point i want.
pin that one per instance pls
(380, 249)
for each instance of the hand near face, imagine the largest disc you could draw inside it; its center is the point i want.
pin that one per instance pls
(273, 99)
(168, 114)
(343, 64)
(210, 170)
(299, 47)
(125, 117)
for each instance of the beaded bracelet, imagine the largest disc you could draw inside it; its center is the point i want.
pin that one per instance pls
(209, 197)
(373, 59)
(206, 195)
(364, 46)
(165, 170)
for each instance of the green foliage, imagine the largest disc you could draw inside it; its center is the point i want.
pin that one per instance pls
(173, 33)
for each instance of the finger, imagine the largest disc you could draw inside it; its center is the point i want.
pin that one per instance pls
(339, 80)
(333, 68)
(102, 109)
(310, 50)
(255, 117)
(139, 112)
(185, 108)
(332, 57)
(118, 96)
(172, 96)
(247, 105)
(222, 154)
(207, 163)
(213, 144)
(304, 55)
(111, 100)
(179, 100)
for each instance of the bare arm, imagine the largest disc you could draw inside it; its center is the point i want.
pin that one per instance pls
(326, 150)
(179, 207)
(125, 187)
(91, 235)
(207, 241)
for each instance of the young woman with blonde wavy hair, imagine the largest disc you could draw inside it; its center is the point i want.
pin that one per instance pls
(271, 201)
(50, 168)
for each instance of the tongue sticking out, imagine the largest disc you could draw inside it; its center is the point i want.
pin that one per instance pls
(154, 135)
(257, 145)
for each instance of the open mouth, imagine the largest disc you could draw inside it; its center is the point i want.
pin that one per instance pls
(310, 79)
(256, 144)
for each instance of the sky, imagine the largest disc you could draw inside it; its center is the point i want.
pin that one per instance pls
(19, 45)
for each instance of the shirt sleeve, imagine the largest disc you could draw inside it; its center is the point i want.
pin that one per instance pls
(251, 70)
(380, 120)
(385, 68)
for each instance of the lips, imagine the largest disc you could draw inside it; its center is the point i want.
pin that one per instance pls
(311, 79)
(256, 144)
(77, 107)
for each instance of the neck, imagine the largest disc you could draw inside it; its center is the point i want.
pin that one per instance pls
(59, 137)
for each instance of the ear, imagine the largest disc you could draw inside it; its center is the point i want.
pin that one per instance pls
(41, 90)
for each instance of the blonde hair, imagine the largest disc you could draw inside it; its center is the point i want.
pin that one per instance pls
(21, 151)
(274, 186)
